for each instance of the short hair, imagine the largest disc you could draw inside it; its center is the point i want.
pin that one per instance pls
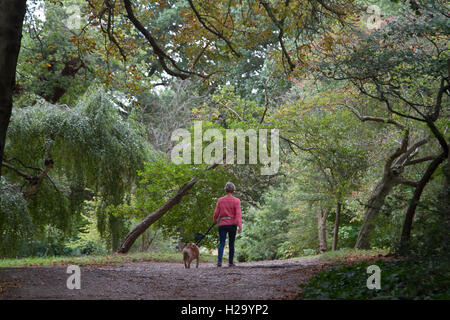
(229, 187)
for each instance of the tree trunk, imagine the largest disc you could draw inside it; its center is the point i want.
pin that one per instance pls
(391, 177)
(374, 205)
(336, 226)
(409, 217)
(12, 13)
(143, 242)
(321, 226)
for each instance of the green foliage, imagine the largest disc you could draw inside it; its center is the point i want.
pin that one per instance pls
(45, 50)
(159, 181)
(336, 152)
(88, 240)
(94, 150)
(15, 221)
(402, 279)
(301, 236)
(264, 229)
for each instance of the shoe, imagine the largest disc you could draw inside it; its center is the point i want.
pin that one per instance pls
(231, 265)
(219, 265)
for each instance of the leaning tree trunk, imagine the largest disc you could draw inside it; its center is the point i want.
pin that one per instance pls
(407, 224)
(336, 226)
(321, 226)
(409, 217)
(393, 169)
(155, 215)
(12, 13)
(373, 207)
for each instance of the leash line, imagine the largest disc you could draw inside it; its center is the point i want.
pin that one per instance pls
(198, 241)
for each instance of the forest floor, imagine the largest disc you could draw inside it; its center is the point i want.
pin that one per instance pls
(278, 279)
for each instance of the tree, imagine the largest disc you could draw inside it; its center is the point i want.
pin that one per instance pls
(11, 16)
(332, 151)
(393, 169)
(86, 150)
(403, 67)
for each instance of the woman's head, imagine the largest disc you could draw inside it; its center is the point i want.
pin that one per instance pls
(229, 187)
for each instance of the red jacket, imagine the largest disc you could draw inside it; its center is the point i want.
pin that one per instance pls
(228, 206)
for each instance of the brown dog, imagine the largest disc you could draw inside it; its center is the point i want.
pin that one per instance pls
(190, 252)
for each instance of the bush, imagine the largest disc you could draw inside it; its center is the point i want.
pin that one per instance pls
(264, 230)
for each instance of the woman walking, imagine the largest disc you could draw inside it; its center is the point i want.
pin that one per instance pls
(228, 212)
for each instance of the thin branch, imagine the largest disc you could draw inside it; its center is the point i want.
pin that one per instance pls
(160, 54)
(401, 150)
(408, 154)
(20, 173)
(327, 7)
(279, 25)
(443, 89)
(420, 160)
(407, 182)
(375, 119)
(34, 181)
(110, 32)
(215, 32)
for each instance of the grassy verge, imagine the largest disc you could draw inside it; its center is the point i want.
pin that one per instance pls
(113, 259)
(348, 255)
(418, 278)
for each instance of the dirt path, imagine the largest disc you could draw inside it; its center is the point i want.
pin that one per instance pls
(159, 280)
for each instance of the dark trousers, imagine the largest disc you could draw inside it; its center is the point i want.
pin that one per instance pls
(223, 230)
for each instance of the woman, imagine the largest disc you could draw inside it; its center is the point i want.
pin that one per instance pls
(228, 211)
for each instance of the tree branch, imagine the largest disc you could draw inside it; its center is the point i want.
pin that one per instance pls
(420, 160)
(375, 119)
(34, 181)
(160, 54)
(406, 182)
(215, 32)
(279, 25)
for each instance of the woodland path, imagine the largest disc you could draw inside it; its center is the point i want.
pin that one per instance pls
(277, 279)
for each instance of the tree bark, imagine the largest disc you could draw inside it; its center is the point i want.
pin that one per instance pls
(321, 226)
(33, 181)
(409, 217)
(12, 13)
(336, 225)
(373, 207)
(393, 169)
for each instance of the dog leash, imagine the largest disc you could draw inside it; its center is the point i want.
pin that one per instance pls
(204, 235)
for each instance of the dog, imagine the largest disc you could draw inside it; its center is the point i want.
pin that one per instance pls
(190, 252)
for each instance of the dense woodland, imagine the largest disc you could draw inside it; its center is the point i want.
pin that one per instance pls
(360, 98)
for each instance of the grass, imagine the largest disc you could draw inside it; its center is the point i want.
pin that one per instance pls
(113, 259)
(352, 254)
(116, 259)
